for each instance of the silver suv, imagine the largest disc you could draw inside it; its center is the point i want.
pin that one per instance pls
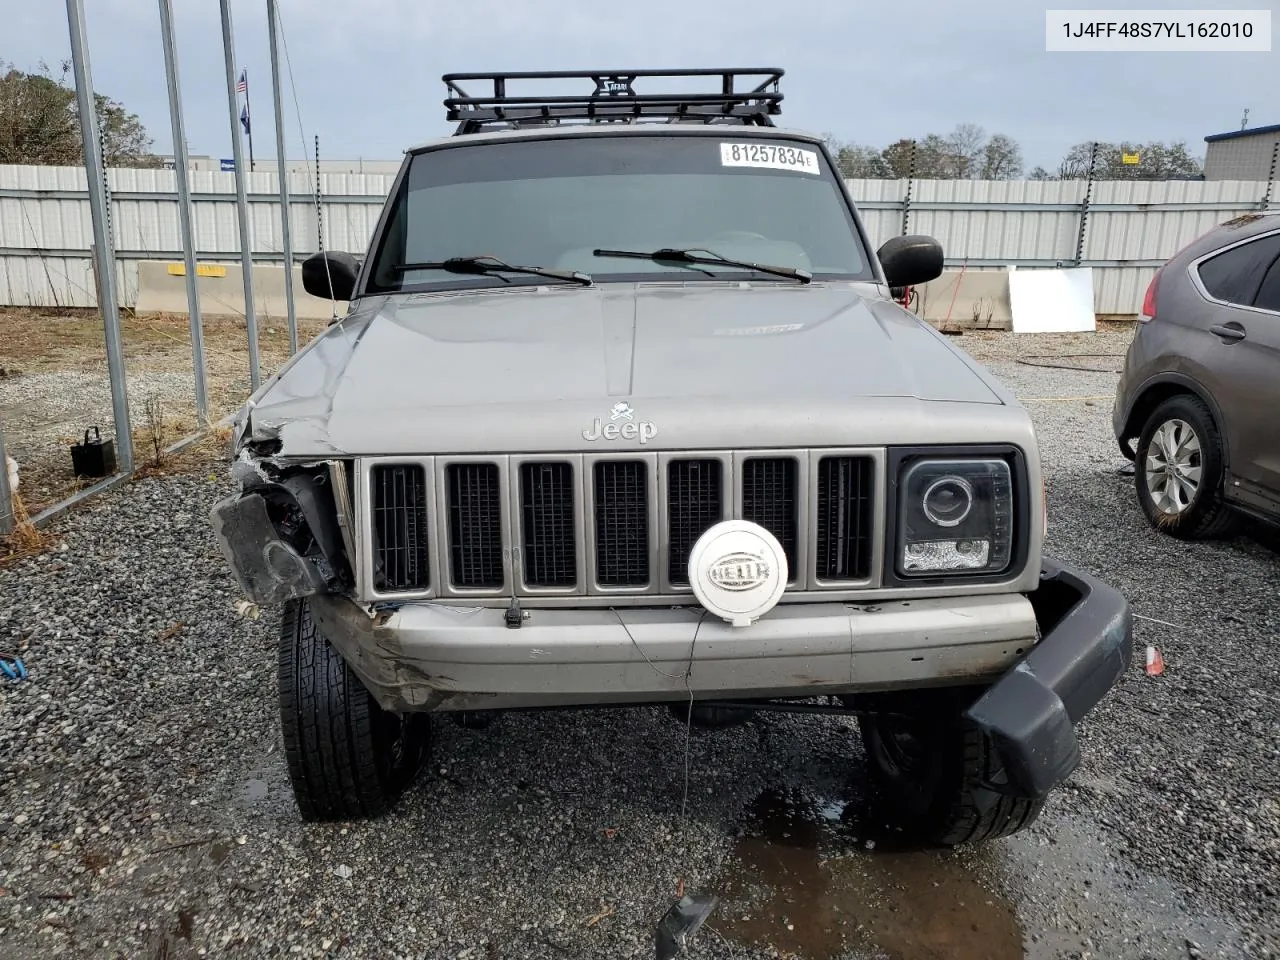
(623, 412)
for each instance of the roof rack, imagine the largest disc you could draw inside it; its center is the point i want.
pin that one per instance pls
(615, 100)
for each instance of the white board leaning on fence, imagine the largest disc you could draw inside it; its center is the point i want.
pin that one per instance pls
(1052, 301)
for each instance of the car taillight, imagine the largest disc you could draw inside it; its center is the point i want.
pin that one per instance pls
(1149, 301)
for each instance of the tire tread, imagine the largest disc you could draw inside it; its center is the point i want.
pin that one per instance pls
(328, 721)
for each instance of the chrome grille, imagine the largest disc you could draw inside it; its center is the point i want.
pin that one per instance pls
(475, 526)
(592, 525)
(769, 489)
(622, 523)
(844, 514)
(547, 524)
(400, 536)
(695, 501)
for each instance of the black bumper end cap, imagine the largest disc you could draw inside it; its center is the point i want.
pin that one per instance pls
(1030, 713)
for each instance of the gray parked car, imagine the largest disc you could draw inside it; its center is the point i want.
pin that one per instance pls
(623, 412)
(1197, 405)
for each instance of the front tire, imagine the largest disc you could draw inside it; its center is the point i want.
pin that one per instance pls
(1178, 471)
(347, 757)
(930, 773)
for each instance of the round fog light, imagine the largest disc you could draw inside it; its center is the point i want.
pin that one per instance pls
(947, 501)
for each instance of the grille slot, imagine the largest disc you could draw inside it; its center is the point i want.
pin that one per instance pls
(475, 526)
(400, 540)
(695, 501)
(769, 488)
(622, 523)
(844, 518)
(547, 525)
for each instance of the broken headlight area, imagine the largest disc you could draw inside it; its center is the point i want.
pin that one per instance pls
(284, 533)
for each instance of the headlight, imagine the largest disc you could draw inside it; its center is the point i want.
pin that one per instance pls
(955, 516)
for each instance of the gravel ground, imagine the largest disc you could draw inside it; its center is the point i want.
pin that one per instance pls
(145, 810)
(54, 383)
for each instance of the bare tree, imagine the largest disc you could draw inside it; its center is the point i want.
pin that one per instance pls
(39, 122)
(964, 154)
(962, 151)
(1001, 158)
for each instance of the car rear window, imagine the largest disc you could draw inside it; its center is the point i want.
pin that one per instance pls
(1268, 297)
(1236, 275)
(553, 202)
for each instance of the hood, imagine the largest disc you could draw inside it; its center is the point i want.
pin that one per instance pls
(533, 368)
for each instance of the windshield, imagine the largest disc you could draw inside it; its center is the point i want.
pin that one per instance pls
(552, 203)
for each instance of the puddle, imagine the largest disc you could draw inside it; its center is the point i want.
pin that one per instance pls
(804, 882)
(254, 791)
(219, 852)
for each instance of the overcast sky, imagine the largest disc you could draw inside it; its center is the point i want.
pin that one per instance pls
(369, 81)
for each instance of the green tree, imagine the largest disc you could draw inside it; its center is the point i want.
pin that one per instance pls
(1156, 161)
(40, 122)
(898, 158)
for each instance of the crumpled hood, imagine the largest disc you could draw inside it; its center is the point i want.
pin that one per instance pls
(704, 364)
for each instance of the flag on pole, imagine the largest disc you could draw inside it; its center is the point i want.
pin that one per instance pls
(244, 117)
(242, 86)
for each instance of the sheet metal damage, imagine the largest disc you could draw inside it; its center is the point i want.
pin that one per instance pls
(282, 534)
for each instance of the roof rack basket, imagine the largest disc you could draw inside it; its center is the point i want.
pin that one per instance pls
(748, 96)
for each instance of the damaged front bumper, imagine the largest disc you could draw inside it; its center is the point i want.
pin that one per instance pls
(1046, 658)
(1030, 713)
(426, 655)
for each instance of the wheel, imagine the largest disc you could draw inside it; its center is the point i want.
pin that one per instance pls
(928, 772)
(1178, 471)
(710, 717)
(347, 757)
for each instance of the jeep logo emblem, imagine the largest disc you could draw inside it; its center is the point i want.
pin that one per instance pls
(622, 425)
(738, 571)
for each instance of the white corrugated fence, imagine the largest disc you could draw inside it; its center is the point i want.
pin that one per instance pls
(1131, 226)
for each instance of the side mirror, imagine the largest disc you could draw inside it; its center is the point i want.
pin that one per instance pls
(330, 276)
(911, 260)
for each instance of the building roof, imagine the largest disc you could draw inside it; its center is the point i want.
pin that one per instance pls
(1234, 134)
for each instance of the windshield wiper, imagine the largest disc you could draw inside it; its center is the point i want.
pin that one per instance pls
(488, 265)
(707, 258)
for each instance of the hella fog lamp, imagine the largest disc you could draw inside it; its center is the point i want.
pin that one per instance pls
(955, 516)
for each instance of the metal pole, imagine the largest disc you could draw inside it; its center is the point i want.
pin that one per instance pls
(1271, 175)
(282, 173)
(319, 214)
(180, 175)
(104, 252)
(248, 116)
(6, 495)
(242, 202)
(1084, 205)
(906, 201)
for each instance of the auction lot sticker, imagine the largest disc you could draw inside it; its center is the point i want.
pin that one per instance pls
(774, 156)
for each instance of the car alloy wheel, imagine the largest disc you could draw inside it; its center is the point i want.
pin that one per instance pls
(1173, 467)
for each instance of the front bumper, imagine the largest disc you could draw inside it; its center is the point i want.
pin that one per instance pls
(435, 656)
(438, 657)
